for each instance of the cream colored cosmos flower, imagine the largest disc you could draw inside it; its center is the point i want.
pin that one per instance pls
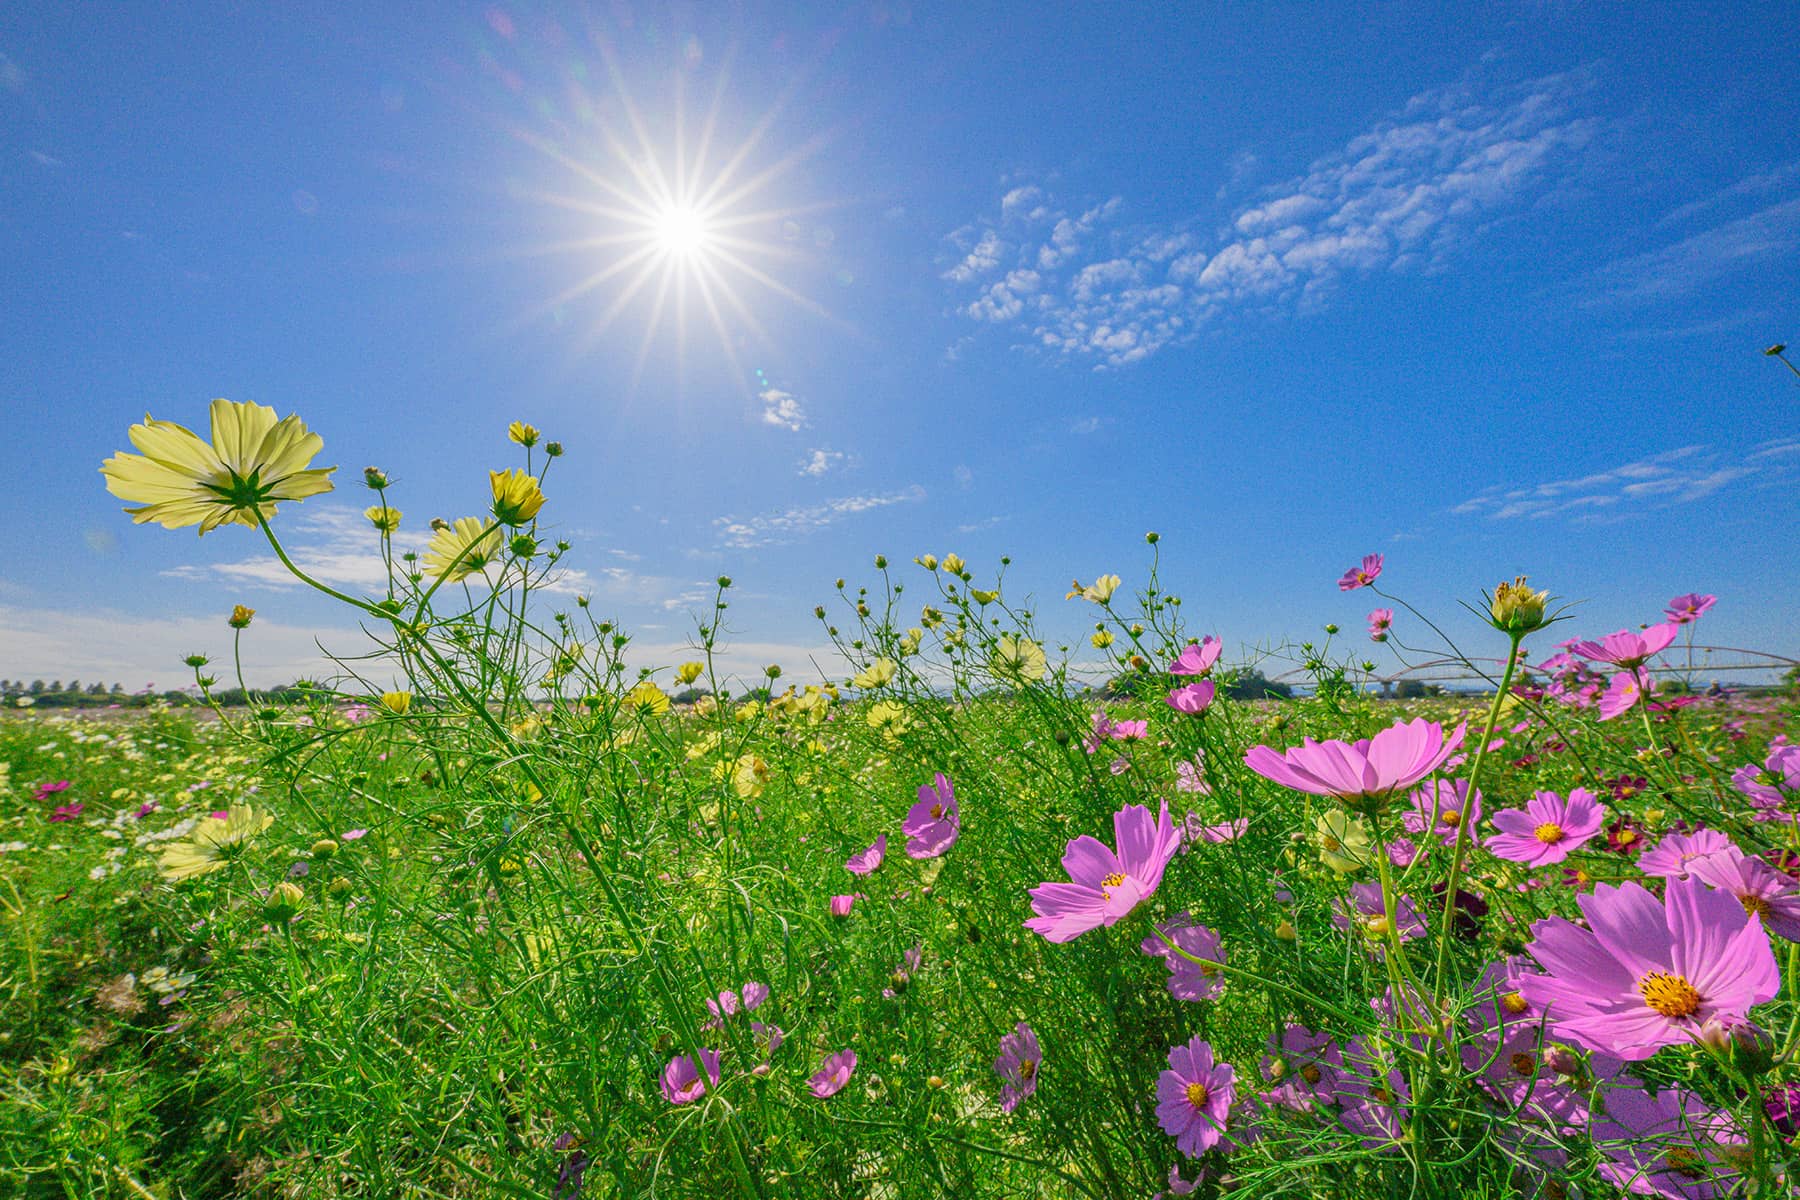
(876, 674)
(253, 461)
(214, 843)
(462, 549)
(1018, 659)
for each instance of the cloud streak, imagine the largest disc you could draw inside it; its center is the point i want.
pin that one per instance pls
(1401, 196)
(1674, 477)
(792, 524)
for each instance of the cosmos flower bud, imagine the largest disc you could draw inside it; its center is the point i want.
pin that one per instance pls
(1153, 537)
(1286, 932)
(553, 449)
(881, 562)
(523, 545)
(284, 898)
(1777, 348)
(439, 525)
(396, 702)
(375, 477)
(724, 581)
(773, 671)
(1750, 1046)
(196, 661)
(240, 617)
(1562, 1060)
(340, 886)
(1516, 608)
(324, 848)
(1331, 629)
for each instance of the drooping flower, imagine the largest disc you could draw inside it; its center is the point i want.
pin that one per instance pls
(865, 862)
(934, 823)
(253, 461)
(1364, 772)
(1017, 1066)
(1548, 829)
(516, 496)
(1627, 648)
(1193, 699)
(1188, 980)
(214, 842)
(1443, 807)
(841, 905)
(1691, 607)
(1106, 886)
(831, 1077)
(1622, 694)
(1676, 853)
(1381, 621)
(457, 551)
(1361, 576)
(1647, 975)
(1760, 888)
(1194, 1097)
(682, 1082)
(1197, 658)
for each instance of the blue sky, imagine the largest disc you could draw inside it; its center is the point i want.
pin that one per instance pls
(1288, 284)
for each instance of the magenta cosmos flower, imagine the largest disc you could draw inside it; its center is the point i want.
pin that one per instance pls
(1397, 757)
(841, 905)
(1677, 852)
(1361, 576)
(1193, 699)
(1547, 829)
(933, 824)
(1622, 694)
(1106, 886)
(681, 1079)
(1017, 1066)
(1188, 980)
(1380, 621)
(1691, 607)
(1197, 658)
(1760, 888)
(1627, 648)
(1193, 1097)
(864, 862)
(67, 812)
(833, 1074)
(1443, 807)
(1647, 975)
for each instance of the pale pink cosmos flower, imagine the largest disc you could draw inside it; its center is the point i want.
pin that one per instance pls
(1688, 608)
(934, 823)
(681, 1079)
(1361, 576)
(1622, 694)
(831, 1077)
(1017, 1066)
(1380, 621)
(1106, 886)
(1193, 699)
(1628, 648)
(864, 862)
(1548, 829)
(1197, 658)
(1224, 831)
(1675, 854)
(1398, 757)
(1190, 776)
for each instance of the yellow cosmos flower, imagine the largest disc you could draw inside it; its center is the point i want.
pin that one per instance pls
(889, 718)
(1344, 842)
(382, 517)
(953, 563)
(240, 617)
(1018, 659)
(981, 597)
(876, 674)
(646, 697)
(749, 776)
(520, 432)
(687, 672)
(463, 549)
(1098, 592)
(253, 461)
(396, 702)
(1102, 639)
(213, 844)
(516, 496)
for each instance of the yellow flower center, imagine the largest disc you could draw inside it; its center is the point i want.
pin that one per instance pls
(1027, 1070)
(1670, 995)
(937, 812)
(1197, 1095)
(1333, 845)
(1514, 1003)
(1756, 906)
(1451, 817)
(1548, 833)
(1383, 1094)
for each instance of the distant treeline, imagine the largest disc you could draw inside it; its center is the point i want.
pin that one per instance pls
(75, 694)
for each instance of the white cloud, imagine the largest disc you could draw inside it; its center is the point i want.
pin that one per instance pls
(1680, 476)
(1700, 260)
(1401, 196)
(821, 462)
(782, 409)
(786, 525)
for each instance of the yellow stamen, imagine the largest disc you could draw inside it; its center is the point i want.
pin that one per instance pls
(1514, 1003)
(1197, 1095)
(1548, 833)
(1670, 995)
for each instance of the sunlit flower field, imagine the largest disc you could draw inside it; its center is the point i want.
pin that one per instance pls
(495, 914)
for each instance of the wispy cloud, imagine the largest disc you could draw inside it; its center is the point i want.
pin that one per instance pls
(1679, 476)
(1401, 196)
(781, 409)
(1759, 184)
(1698, 261)
(787, 525)
(822, 462)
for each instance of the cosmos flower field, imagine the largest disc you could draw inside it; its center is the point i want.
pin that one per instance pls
(493, 915)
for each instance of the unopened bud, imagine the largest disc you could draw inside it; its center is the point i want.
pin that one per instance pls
(375, 477)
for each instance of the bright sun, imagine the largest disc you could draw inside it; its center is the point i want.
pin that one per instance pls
(682, 231)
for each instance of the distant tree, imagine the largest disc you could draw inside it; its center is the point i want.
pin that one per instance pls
(56, 686)
(37, 687)
(689, 695)
(1253, 685)
(118, 689)
(96, 689)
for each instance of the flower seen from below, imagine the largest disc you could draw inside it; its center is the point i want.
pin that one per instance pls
(516, 496)
(525, 435)
(1381, 621)
(252, 462)
(1626, 648)
(1018, 660)
(383, 518)
(466, 548)
(1683, 610)
(1362, 575)
(1098, 592)
(1106, 885)
(396, 702)
(1197, 658)
(1361, 773)
(1517, 609)
(648, 699)
(687, 672)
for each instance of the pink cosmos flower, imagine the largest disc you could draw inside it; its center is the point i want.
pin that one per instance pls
(864, 862)
(1380, 621)
(1364, 908)
(1671, 1144)
(1547, 829)
(47, 790)
(1192, 699)
(1197, 658)
(1190, 777)
(1397, 757)
(1778, 778)
(1362, 576)
(1129, 731)
(834, 1074)
(1627, 648)
(1646, 975)
(1442, 807)
(1188, 980)
(1691, 607)
(1622, 694)
(934, 823)
(1106, 886)
(1675, 854)
(1760, 888)
(1017, 1066)
(1194, 1096)
(1304, 1066)
(67, 812)
(351, 835)
(841, 905)
(1224, 831)
(681, 1080)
